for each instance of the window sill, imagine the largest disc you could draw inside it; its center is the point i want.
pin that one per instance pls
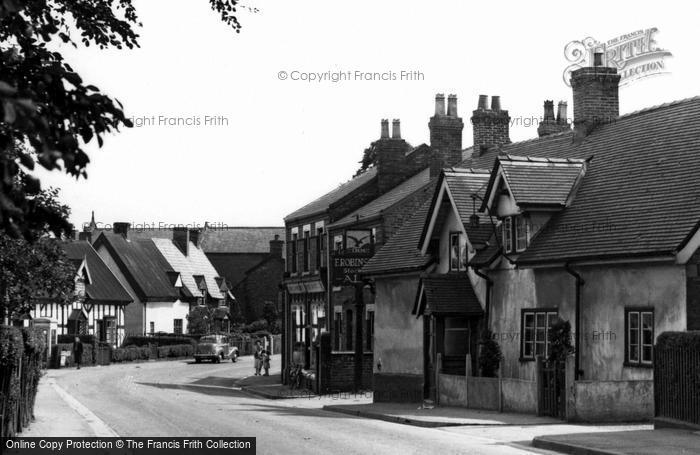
(526, 359)
(646, 366)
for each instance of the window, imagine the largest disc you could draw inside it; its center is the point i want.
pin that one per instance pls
(307, 256)
(152, 327)
(521, 233)
(507, 234)
(338, 242)
(639, 336)
(348, 330)
(177, 326)
(295, 256)
(337, 330)
(370, 330)
(535, 326)
(458, 252)
(456, 339)
(109, 326)
(515, 231)
(319, 247)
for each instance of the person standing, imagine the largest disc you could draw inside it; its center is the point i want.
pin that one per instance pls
(78, 351)
(266, 361)
(257, 355)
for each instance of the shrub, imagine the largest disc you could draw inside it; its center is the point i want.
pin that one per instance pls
(560, 341)
(689, 341)
(490, 355)
(86, 339)
(165, 340)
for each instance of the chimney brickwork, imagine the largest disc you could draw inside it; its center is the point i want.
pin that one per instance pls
(445, 135)
(491, 127)
(551, 124)
(181, 239)
(596, 97)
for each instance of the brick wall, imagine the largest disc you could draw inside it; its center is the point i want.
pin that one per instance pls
(397, 215)
(259, 286)
(596, 99)
(341, 375)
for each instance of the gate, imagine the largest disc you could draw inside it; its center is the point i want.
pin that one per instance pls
(551, 384)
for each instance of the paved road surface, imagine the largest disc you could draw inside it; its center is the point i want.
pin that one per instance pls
(181, 398)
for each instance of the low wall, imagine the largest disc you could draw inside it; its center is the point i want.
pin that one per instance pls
(398, 388)
(613, 401)
(511, 395)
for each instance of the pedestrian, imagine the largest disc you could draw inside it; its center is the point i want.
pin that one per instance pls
(266, 361)
(77, 351)
(257, 355)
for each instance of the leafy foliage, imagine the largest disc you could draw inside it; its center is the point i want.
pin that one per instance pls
(490, 355)
(32, 270)
(48, 114)
(369, 159)
(560, 341)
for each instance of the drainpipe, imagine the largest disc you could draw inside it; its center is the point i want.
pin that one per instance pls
(577, 356)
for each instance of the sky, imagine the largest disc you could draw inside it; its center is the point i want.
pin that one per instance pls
(253, 141)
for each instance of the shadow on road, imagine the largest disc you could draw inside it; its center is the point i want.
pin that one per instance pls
(206, 389)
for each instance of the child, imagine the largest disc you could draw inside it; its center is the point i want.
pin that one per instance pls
(266, 361)
(257, 355)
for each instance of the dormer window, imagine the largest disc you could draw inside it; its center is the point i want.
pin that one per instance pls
(515, 233)
(458, 252)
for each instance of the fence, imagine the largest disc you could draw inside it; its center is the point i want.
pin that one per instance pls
(677, 377)
(21, 354)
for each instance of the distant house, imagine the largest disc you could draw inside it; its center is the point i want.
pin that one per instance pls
(100, 299)
(236, 252)
(161, 301)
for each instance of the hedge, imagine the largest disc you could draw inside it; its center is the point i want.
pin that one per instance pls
(21, 352)
(86, 339)
(165, 340)
(682, 340)
(131, 353)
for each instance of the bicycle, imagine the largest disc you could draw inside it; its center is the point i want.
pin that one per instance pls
(295, 376)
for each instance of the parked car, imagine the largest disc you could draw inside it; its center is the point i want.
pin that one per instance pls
(215, 348)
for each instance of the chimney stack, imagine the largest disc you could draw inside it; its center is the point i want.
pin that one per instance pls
(195, 236)
(596, 97)
(385, 129)
(181, 239)
(439, 104)
(452, 106)
(396, 129)
(445, 135)
(276, 247)
(550, 124)
(121, 228)
(491, 127)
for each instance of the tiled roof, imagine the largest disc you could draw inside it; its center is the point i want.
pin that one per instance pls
(195, 269)
(103, 286)
(641, 192)
(323, 203)
(143, 265)
(489, 252)
(401, 252)
(447, 293)
(233, 266)
(239, 239)
(540, 181)
(463, 183)
(387, 199)
(228, 239)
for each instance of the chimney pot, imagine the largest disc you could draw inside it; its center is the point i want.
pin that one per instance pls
(562, 115)
(121, 228)
(597, 59)
(495, 103)
(396, 129)
(440, 104)
(385, 129)
(548, 110)
(452, 106)
(483, 102)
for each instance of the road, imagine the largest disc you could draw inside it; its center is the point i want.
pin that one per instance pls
(180, 398)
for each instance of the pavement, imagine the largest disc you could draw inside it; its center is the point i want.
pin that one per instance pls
(415, 414)
(639, 442)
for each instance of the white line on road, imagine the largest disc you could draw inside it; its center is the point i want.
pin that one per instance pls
(97, 425)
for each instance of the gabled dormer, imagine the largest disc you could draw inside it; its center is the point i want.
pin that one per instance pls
(524, 192)
(453, 230)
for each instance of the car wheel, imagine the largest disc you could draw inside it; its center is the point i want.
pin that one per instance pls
(233, 358)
